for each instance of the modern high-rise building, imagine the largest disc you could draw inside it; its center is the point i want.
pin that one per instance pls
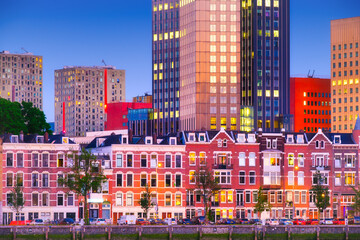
(82, 95)
(220, 64)
(21, 78)
(345, 38)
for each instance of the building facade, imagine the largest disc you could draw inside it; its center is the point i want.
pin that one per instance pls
(345, 39)
(21, 78)
(36, 163)
(310, 101)
(143, 99)
(82, 95)
(231, 67)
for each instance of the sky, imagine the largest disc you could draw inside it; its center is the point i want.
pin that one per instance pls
(83, 33)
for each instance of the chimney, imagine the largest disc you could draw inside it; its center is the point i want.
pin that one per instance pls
(46, 137)
(21, 136)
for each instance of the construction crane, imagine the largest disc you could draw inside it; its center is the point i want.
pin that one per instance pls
(103, 61)
(24, 50)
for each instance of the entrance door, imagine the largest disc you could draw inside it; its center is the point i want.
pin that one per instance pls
(163, 215)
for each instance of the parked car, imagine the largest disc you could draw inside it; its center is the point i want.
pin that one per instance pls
(37, 222)
(226, 221)
(299, 221)
(92, 221)
(327, 221)
(198, 220)
(285, 221)
(100, 221)
(255, 221)
(312, 222)
(244, 221)
(19, 223)
(67, 221)
(350, 220)
(170, 221)
(142, 221)
(158, 221)
(356, 220)
(185, 221)
(126, 219)
(339, 221)
(272, 222)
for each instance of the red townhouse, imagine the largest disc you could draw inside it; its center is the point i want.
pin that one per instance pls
(37, 162)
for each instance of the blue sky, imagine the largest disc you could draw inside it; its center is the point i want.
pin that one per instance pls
(119, 31)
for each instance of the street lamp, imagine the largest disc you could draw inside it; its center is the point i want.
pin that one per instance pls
(157, 206)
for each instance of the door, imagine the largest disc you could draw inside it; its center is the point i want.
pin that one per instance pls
(163, 215)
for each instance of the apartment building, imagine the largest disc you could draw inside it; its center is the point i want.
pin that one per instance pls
(21, 78)
(82, 95)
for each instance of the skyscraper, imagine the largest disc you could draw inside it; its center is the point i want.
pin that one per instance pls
(21, 78)
(345, 38)
(231, 64)
(82, 95)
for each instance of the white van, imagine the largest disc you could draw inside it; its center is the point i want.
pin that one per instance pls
(170, 221)
(126, 219)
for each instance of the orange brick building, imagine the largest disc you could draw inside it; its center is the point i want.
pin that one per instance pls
(310, 103)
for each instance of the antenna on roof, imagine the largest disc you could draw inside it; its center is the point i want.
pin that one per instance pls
(24, 50)
(311, 75)
(103, 61)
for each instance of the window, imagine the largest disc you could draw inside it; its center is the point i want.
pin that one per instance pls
(119, 199)
(45, 180)
(9, 159)
(129, 180)
(252, 177)
(202, 158)
(119, 178)
(167, 199)
(168, 161)
(301, 159)
(349, 179)
(242, 177)
(192, 160)
(192, 176)
(60, 176)
(178, 161)
(337, 179)
(178, 199)
(119, 160)
(35, 199)
(248, 197)
(301, 178)
(129, 199)
(290, 178)
(291, 159)
(45, 199)
(324, 179)
(70, 201)
(129, 160)
(297, 196)
(35, 179)
(242, 159)
(177, 180)
(20, 179)
(45, 160)
(252, 159)
(337, 161)
(349, 161)
(279, 197)
(60, 160)
(167, 180)
(60, 199)
(271, 178)
(143, 179)
(153, 180)
(20, 159)
(223, 177)
(9, 179)
(153, 161)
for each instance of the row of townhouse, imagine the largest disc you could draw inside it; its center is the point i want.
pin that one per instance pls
(282, 163)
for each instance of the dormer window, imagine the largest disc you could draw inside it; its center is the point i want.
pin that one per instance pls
(39, 139)
(191, 137)
(124, 140)
(202, 137)
(241, 138)
(172, 141)
(290, 139)
(224, 143)
(337, 139)
(148, 140)
(251, 138)
(268, 143)
(14, 139)
(300, 138)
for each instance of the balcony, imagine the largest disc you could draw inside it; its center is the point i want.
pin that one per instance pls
(320, 168)
(222, 166)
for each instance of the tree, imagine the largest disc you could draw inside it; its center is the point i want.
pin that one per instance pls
(34, 119)
(86, 175)
(145, 201)
(356, 205)
(11, 118)
(321, 193)
(262, 202)
(206, 186)
(16, 201)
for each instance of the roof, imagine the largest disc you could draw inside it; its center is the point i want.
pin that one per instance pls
(32, 138)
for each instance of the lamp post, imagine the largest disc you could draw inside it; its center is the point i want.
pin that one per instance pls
(157, 206)
(295, 168)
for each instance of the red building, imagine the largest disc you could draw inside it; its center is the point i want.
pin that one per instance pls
(310, 104)
(117, 114)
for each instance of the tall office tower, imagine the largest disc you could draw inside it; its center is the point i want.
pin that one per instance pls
(233, 63)
(21, 78)
(165, 60)
(82, 95)
(265, 68)
(345, 38)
